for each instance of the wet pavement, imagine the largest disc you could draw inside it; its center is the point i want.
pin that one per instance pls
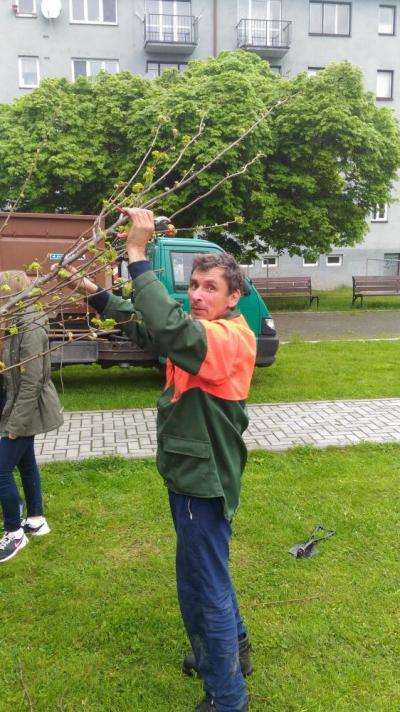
(322, 326)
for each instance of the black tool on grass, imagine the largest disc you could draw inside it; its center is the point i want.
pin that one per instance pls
(309, 549)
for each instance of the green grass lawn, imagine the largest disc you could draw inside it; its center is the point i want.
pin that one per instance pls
(89, 617)
(334, 300)
(303, 371)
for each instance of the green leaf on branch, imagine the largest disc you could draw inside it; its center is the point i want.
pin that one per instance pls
(127, 290)
(34, 266)
(104, 324)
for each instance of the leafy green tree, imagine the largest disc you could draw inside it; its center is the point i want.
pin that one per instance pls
(326, 154)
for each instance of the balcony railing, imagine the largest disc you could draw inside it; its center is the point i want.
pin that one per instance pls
(269, 37)
(179, 32)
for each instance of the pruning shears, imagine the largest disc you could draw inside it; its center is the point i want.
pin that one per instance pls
(309, 548)
(161, 224)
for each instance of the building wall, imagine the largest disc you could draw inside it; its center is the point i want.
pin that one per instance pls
(57, 42)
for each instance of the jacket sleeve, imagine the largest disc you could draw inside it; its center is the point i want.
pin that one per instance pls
(131, 322)
(177, 336)
(31, 380)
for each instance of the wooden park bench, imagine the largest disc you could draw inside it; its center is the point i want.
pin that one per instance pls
(375, 287)
(285, 287)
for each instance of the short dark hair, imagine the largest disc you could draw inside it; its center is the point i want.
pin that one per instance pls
(232, 273)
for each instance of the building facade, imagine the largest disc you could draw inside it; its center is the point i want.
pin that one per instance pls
(70, 38)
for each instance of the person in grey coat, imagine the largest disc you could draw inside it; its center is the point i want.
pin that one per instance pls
(29, 405)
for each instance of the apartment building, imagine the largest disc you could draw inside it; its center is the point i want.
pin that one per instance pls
(70, 38)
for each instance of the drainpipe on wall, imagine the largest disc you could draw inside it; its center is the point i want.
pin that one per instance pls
(215, 24)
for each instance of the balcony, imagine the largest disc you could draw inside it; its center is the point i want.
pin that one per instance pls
(170, 34)
(270, 39)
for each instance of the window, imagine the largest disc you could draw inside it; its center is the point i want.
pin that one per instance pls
(260, 22)
(387, 19)
(259, 9)
(276, 68)
(169, 21)
(97, 11)
(25, 7)
(392, 263)
(380, 213)
(181, 263)
(330, 18)
(91, 67)
(313, 71)
(28, 69)
(169, 7)
(270, 261)
(334, 260)
(310, 262)
(384, 84)
(155, 69)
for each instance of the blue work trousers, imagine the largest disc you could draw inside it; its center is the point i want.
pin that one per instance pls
(19, 453)
(207, 598)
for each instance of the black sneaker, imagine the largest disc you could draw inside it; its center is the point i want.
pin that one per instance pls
(40, 530)
(11, 545)
(208, 706)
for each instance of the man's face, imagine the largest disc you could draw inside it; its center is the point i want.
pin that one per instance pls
(209, 296)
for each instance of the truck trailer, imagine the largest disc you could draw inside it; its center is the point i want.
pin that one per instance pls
(28, 237)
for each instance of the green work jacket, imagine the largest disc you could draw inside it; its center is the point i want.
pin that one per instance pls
(202, 412)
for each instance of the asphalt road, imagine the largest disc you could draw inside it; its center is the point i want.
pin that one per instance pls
(316, 326)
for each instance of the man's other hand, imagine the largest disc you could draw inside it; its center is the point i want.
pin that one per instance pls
(72, 279)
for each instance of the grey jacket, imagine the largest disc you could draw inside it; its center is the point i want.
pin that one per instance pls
(32, 405)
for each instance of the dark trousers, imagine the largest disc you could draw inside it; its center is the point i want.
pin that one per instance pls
(207, 598)
(19, 453)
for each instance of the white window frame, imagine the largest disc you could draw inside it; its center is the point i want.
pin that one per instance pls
(271, 30)
(85, 21)
(267, 265)
(376, 215)
(385, 71)
(314, 71)
(21, 76)
(393, 32)
(176, 27)
(88, 61)
(25, 14)
(310, 264)
(334, 264)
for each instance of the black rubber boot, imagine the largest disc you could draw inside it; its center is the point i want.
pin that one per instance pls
(189, 665)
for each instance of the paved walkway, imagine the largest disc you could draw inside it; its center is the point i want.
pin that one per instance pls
(323, 326)
(277, 426)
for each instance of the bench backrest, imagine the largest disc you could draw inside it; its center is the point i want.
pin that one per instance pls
(283, 285)
(377, 283)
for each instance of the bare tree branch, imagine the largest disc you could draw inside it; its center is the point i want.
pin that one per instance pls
(216, 186)
(219, 155)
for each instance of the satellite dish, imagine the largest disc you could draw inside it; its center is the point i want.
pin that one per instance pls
(51, 9)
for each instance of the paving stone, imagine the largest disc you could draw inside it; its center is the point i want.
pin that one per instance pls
(276, 426)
